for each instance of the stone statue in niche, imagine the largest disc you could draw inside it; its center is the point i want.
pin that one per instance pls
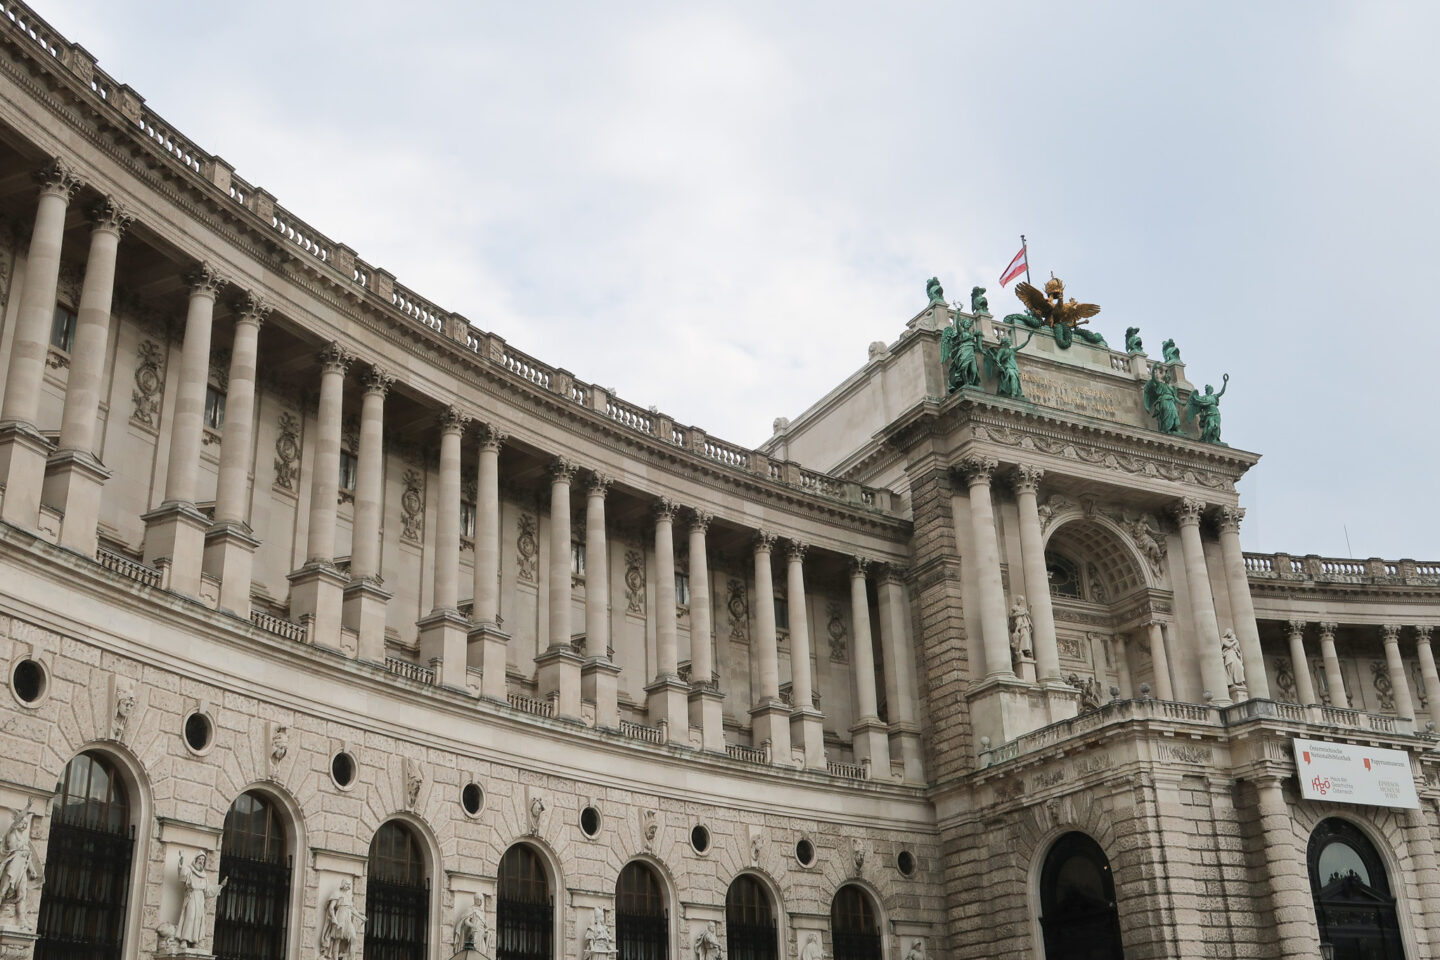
(916, 951)
(1230, 656)
(199, 892)
(470, 930)
(18, 869)
(1022, 630)
(707, 945)
(344, 925)
(599, 941)
(812, 949)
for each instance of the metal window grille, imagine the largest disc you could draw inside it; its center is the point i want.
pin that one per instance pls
(750, 929)
(251, 915)
(854, 933)
(642, 927)
(87, 881)
(524, 929)
(398, 920)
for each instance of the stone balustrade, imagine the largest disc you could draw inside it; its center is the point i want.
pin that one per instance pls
(1288, 567)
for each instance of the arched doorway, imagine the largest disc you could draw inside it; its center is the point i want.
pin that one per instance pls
(1353, 904)
(1077, 902)
(642, 923)
(87, 864)
(524, 907)
(854, 928)
(397, 896)
(750, 929)
(252, 913)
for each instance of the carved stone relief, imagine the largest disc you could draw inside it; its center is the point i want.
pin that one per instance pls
(634, 581)
(287, 453)
(414, 780)
(123, 700)
(835, 629)
(149, 378)
(412, 506)
(739, 610)
(527, 547)
(1384, 691)
(1284, 681)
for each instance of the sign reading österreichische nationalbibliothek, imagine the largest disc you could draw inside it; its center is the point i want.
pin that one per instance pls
(1345, 773)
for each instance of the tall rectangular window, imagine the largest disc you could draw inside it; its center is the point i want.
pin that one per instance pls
(577, 558)
(467, 518)
(349, 467)
(782, 613)
(214, 407)
(62, 329)
(682, 588)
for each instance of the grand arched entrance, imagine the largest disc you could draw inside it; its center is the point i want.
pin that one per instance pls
(1077, 902)
(1353, 904)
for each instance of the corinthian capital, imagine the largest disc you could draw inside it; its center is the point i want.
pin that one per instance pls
(378, 380)
(251, 307)
(663, 509)
(764, 541)
(1188, 511)
(1297, 628)
(107, 213)
(795, 550)
(205, 279)
(491, 437)
(1229, 518)
(700, 520)
(453, 420)
(1422, 633)
(1026, 479)
(1327, 629)
(1390, 633)
(599, 483)
(58, 178)
(859, 565)
(978, 470)
(562, 470)
(334, 359)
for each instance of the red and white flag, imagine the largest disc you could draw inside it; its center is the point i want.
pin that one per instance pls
(1017, 267)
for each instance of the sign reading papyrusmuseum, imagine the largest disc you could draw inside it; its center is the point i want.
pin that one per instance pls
(1345, 773)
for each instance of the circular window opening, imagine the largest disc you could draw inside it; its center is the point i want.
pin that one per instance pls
(198, 732)
(590, 821)
(805, 853)
(342, 769)
(472, 799)
(28, 679)
(906, 863)
(700, 838)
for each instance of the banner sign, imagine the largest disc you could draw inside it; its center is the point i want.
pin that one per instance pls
(1345, 773)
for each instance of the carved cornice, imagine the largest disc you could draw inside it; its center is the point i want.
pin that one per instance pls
(110, 214)
(58, 178)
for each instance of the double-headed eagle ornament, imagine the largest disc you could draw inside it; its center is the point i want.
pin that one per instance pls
(1051, 306)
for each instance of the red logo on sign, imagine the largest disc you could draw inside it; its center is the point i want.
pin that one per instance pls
(1321, 785)
(1306, 755)
(1367, 763)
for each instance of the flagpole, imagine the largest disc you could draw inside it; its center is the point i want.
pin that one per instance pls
(1026, 247)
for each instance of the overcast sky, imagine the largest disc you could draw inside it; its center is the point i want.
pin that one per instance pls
(715, 208)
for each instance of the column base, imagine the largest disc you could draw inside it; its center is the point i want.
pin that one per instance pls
(870, 738)
(23, 451)
(317, 590)
(600, 684)
(558, 673)
(362, 609)
(230, 558)
(73, 481)
(807, 730)
(175, 533)
(707, 712)
(443, 643)
(486, 648)
(16, 943)
(665, 699)
(1004, 708)
(770, 721)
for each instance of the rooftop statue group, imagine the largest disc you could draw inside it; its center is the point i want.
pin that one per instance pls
(962, 348)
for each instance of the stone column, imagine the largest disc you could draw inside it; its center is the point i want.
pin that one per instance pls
(23, 449)
(869, 734)
(665, 695)
(365, 598)
(1160, 661)
(317, 589)
(485, 607)
(177, 530)
(1120, 653)
(769, 718)
(1037, 578)
(994, 624)
(1300, 665)
(806, 722)
(1334, 679)
(443, 631)
(706, 700)
(558, 667)
(230, 543)
(1398, 681)
(1427, 671)
(900, 679)
(1242, 610)
(1202, 602)
(1289, 879)
(74, 476)
(600, 676)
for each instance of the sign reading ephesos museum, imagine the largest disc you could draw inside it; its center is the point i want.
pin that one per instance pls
(1345, 773)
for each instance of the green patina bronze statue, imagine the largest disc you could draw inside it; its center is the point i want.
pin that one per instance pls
(978, 303)
(934, 291)
(1132, 340)
(1205, 409)
(1162, 402)
(1002, 364)
(959, 348)
(1172, 352)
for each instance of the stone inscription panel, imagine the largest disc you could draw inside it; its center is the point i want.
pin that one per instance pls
(1092, 399)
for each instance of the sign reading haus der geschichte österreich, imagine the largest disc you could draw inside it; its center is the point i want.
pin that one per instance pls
(1346, 773)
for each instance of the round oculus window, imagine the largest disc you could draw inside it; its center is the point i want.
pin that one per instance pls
(472, 799)
(805, 852)
(699, 838)
(28, 680)
(199, 732)
(342, 769)
(590, 821)
(906, 863)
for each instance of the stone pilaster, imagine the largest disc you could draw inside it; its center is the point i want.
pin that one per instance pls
(806, 723)
(900, 680)
(599, 677)
(1120, 654)
(558, 667)
(994, 625)
(365, 599)
(1202, 602)
(1300, 664)
(665, 695)
(1334, 679)
(1242, 609)
(1037, 578)
(869, 734)
(1160, 660)
(1404, 707)
(769, 718)
(706, 700)
(74, 476)
(443, 632)
(486, 635)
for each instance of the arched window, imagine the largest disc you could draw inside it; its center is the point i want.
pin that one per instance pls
(251, 913)
(642, 925)
(524, 910)
(750, 921)
(1353, 905)
(397, 896)
(87, 865)
(1077, 902)
(853, 927)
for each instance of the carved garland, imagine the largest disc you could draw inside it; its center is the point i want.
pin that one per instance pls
(1123, 462)
(149, 377)
(287, 453)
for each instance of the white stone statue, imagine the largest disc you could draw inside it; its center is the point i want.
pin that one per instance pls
(916, 951)
(537, 810)
(599, 944)
(857, 852)
(17, 870)
(470, 928)
(1022, 630)
(707, 945)
(1230, 656)
(344, 925)
(812, 949)
(190, 928)
(414, 780)
(279, 743)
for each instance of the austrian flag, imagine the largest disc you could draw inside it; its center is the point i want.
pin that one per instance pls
(1017, 267)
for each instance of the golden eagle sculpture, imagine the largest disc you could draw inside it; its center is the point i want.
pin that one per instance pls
(1051, 307)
